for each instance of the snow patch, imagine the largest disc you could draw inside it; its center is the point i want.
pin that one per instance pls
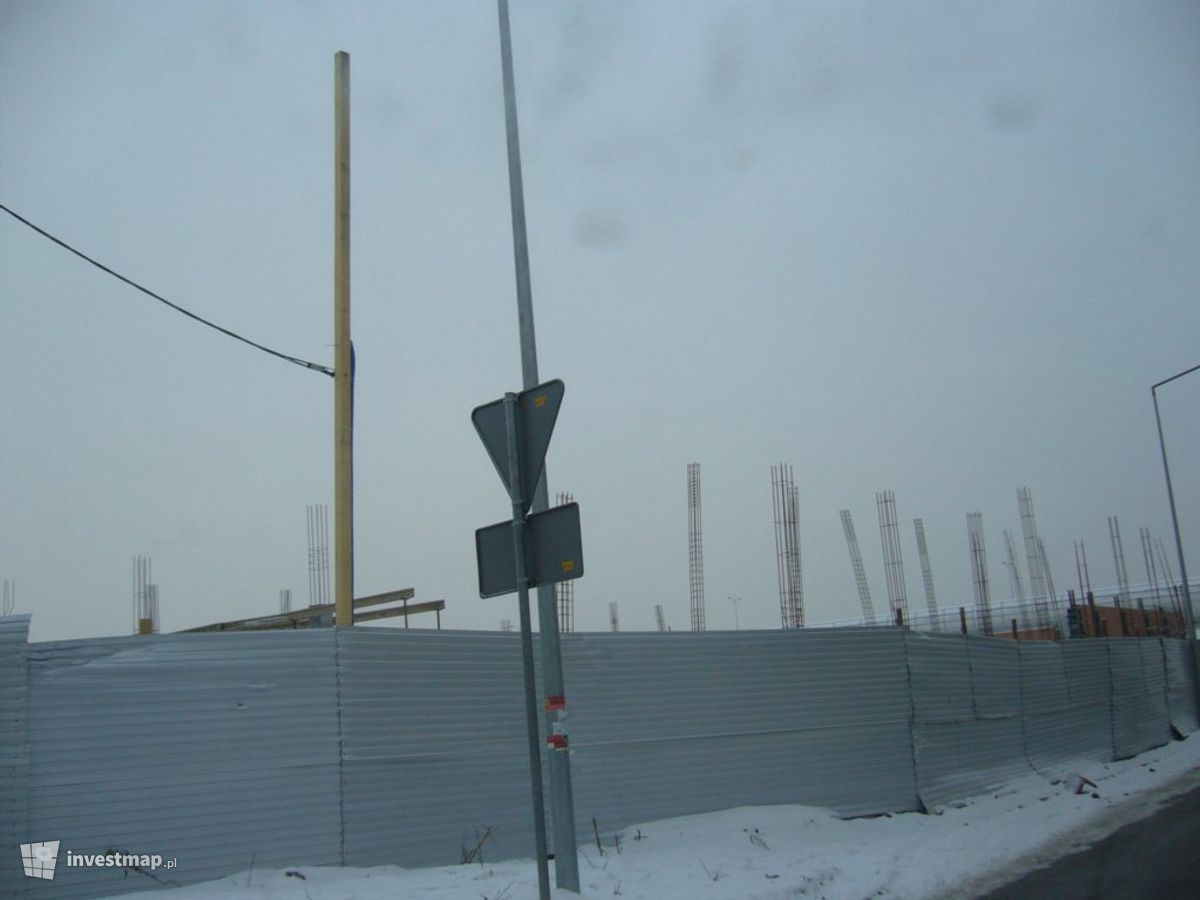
(772, 852)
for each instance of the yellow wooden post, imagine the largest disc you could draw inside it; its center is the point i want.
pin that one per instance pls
(343, 354)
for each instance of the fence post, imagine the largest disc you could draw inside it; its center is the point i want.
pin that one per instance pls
(1112, 701)
(1162, 650)
(912, 724)
(962, 618)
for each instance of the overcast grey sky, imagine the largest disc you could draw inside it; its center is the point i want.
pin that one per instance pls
(941, 248)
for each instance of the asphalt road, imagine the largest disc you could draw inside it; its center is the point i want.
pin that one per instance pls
(1152, 858)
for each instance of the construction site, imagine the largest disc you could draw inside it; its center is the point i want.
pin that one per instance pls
(906, 709)
(745, 292)
(1031, 609)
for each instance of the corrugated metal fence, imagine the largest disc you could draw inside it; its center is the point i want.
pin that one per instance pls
(228, 751)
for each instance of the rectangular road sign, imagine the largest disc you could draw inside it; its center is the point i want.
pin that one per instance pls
(553, 551)
(537, 411)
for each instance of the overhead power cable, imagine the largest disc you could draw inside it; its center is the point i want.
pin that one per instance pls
(316, 367)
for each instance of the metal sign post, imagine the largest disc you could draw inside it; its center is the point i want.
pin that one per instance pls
(534, 551)
(522, 579)
(566, 858)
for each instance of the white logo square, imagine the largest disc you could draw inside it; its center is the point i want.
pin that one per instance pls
(40, 859)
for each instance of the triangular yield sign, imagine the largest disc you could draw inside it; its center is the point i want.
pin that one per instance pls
(537, 411)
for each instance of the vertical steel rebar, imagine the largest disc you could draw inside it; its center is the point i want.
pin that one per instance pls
(1151, 564)
(927, 575)
(785, 501)
(695, 549)
(979, 571)
(893, 562)
(1033, 557)
(856, 564)
(1081, 569)
(795, 567)
(780, 567)
(1118, 550)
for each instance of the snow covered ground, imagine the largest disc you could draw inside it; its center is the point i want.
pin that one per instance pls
(764, 852)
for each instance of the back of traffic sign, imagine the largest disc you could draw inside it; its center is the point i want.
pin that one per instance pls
(553, 551)
(537, 411)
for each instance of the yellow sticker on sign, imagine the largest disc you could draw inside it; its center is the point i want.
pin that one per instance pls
(539, 400)
(568, 565)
